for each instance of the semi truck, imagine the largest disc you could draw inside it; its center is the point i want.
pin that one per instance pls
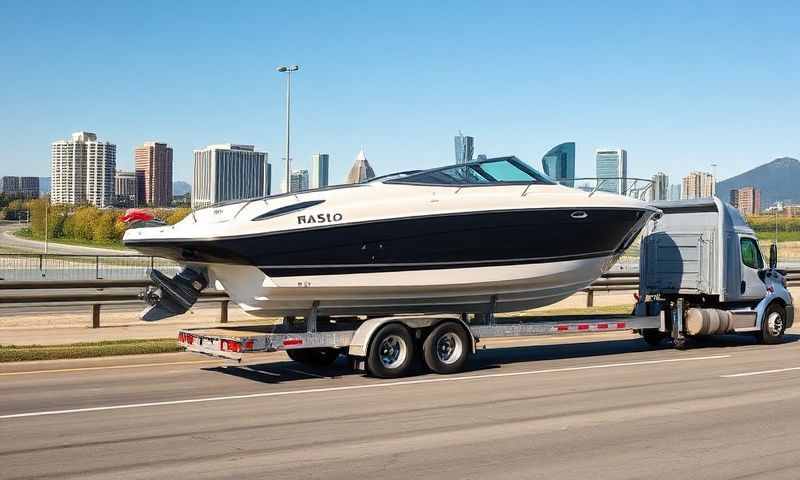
(701, 273)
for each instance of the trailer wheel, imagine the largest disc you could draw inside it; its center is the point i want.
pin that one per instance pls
(773, 325)
(317, 357)
(391, 352)
(446, 349)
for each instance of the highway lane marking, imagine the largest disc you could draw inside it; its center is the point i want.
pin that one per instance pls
(762, 372)
(107, 367)
(442, 379)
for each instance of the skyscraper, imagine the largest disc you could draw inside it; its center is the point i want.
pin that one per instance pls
(612, 164)
(268, 180)
(83, 170)
(228, 172)
(559, 163)
(320, 165)
(125, 191)
(153, 174)
(748, 200)
(659, 190)
(360, 171)
(10, 186)
(698, 185)
(29, 187)
(674, 192)
(299, 181)
(465, 147)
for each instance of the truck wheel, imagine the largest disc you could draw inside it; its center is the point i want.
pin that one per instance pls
(653, 336)
(446, 349)
(391, 352)
(317, 357)
(773, 325)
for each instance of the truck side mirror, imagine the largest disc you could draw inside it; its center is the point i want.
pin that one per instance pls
(773, 256)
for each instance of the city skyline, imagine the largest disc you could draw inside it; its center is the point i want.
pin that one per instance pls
(337, 108)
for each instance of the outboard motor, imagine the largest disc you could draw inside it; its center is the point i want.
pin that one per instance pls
(168, 297)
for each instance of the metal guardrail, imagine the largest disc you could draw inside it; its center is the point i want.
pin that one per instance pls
(109, 292)
(21, 267)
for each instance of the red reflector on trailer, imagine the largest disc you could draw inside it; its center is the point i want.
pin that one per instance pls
(292, 341)
(230, 346)
(621, 325)
(248, 345)
(190, 339)
(583, 326)
(562, 328)
(602, 325)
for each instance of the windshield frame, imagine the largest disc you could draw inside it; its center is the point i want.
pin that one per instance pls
(536, 177)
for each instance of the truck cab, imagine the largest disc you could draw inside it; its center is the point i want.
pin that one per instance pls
(701, 258)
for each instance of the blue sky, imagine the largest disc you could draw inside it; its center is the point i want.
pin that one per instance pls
(679, 85)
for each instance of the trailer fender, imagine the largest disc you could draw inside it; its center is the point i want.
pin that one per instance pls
(364, 333)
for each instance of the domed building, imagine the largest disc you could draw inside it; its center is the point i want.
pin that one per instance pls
(361, 169)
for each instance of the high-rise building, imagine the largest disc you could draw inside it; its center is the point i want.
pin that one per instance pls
(10, 186)
(153, 162)
(674, 192)
(268, 180)
(748, 200)
(612, 167)
(125, 189)
(29, 187)
(659, 190)
(228, 172)
(83, 170)
(698, 185)
(320, 165)
(734, 198)
(465, 147)
(299, 181)
(559, 163)
(361, 170)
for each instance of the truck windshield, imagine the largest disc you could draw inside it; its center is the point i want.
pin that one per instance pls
(750, 254)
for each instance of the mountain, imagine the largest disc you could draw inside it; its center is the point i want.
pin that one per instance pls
(180, 188)
(777, 181)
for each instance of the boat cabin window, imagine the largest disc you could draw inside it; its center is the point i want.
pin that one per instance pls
(492, 171)
(750, 254)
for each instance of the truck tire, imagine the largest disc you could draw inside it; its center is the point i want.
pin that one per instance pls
(316, 357)
(446, 349)
(773, 325)
(391, 352)
(653, 336)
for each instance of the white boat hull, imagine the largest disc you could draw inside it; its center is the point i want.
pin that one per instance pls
(511, 287)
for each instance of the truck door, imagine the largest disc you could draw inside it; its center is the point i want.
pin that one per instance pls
(751, 287)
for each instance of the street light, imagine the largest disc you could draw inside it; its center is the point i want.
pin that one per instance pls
(288, 69)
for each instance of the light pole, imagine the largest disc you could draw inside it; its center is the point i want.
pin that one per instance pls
(288, 69)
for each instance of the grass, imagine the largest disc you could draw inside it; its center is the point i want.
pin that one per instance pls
(114, 245)
(782, 236)
(23, 353)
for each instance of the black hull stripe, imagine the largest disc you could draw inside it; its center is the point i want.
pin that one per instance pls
(278, 271)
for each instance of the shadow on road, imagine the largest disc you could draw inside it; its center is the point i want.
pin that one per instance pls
(488, 359)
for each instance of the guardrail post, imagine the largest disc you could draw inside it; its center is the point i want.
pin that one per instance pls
(223, 311)
(96, 315)
(590, 298)
(97, 267)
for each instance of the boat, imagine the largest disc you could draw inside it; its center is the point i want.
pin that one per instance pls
(490, 235)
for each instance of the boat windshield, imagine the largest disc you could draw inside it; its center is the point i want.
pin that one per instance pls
(490, 171)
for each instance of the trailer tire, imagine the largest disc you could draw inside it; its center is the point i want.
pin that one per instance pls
(391, 352)
(316, 357)
(773, 325)
(446, 349)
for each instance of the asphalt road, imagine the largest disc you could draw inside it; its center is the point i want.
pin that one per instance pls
(598, 409)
